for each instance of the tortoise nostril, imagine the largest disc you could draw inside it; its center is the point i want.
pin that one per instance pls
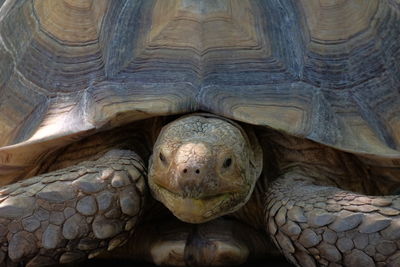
(190, 171)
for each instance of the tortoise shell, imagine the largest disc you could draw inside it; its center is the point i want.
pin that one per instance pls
(324, 70)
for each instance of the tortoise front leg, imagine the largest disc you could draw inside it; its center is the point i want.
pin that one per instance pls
(73, 213)
(321, 225)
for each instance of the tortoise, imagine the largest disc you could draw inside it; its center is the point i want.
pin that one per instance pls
(200, 133)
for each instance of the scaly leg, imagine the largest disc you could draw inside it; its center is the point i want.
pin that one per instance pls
(323, 225)
(73, 213)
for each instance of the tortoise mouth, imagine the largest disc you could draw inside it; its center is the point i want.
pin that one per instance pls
(196, 210)
(196, 195)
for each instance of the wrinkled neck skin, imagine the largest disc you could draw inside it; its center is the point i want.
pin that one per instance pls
(204, 167)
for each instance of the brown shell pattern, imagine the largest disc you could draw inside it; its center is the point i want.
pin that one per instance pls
(324, 70)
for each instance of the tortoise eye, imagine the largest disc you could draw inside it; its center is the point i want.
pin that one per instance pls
(227, 163)
(162, 158)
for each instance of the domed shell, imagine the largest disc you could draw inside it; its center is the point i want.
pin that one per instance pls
(324, 70)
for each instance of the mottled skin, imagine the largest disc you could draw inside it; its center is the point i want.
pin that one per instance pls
(206, 170)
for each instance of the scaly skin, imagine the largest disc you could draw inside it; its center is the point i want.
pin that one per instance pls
(72, 213)
(324, 225)
(319, 210)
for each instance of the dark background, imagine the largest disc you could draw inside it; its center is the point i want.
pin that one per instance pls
(281, 262)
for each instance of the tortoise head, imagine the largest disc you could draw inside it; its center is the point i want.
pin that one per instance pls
(203, 167)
